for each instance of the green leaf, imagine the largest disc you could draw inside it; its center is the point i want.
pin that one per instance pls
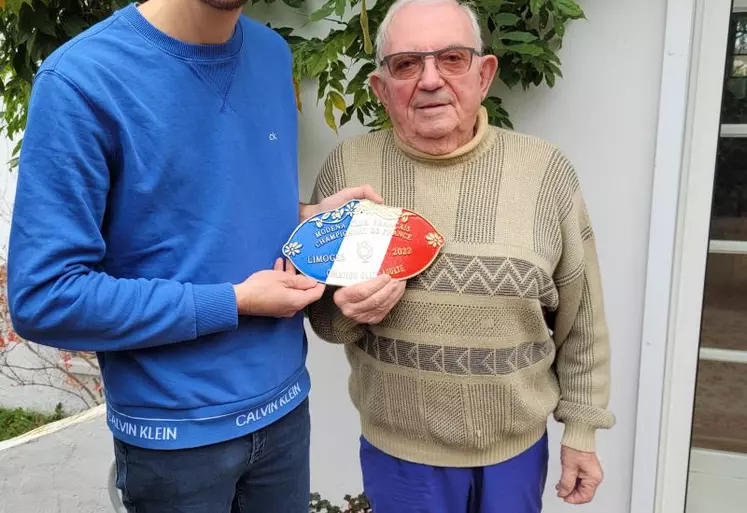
(32, 48)
(555, 69)
(336, 85)
(535, 6)
(526, 49)
(74, 25)
(505, 19)
(317, 63)
(283, 31)
(496, 113)
(322, 85)
(544, 18)
(329, 115)
(296, 4)
(367, 44)
(508, 74)
(337, 100)
(337, 71)
(492, 5)
(550, 79)
(570, 9)
(25, 18)
(358, 81)
(525, 37)
(349, 39)
(331, 53)
(322, 12)
(21, 65)
(14, 6)
(340, 7)
(346, 117)
(42, 21)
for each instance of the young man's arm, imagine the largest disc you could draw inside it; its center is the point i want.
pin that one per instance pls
(57, 294)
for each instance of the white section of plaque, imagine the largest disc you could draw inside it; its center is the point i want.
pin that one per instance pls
(364, 248)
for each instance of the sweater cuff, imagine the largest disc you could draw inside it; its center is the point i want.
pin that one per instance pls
(580, 437)
(215, 308)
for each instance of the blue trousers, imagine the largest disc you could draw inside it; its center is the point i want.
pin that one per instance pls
(267, 471)
(396, 486)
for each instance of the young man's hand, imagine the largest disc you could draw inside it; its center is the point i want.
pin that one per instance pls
(277, 292)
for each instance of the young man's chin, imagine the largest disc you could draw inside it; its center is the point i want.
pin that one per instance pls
(225, 5)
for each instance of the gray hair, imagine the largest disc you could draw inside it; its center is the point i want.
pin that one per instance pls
(382, 34)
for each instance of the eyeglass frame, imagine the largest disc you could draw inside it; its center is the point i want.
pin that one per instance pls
(473, 52)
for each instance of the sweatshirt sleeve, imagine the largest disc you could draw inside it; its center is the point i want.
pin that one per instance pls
(325, 316)
(580, 328)
(57, 292)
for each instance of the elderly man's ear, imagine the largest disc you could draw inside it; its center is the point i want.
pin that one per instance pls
(377, 85)
(488, 68)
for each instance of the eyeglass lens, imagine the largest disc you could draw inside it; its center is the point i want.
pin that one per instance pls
(449, 62)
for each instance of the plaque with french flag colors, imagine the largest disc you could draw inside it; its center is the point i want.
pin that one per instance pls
(360, 240)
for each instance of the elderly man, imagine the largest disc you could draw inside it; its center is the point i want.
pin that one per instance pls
(455, 375)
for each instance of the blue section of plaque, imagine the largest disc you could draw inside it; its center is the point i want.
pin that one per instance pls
(313, 246)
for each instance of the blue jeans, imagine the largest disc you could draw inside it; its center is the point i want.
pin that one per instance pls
(397, 486)
(266, 471)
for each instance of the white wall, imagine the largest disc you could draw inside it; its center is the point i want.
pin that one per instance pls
(604, 116)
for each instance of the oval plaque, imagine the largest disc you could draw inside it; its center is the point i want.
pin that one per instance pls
(361, 240)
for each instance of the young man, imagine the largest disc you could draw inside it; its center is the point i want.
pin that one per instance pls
(157, 185)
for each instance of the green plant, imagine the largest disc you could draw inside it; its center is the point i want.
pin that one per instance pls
(31, 31)
(525, 35)
(17, 421)
(357, 504)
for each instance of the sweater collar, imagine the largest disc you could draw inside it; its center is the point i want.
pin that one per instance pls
(191, 51)
(482, 139)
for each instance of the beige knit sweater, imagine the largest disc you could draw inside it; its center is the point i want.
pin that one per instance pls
(505, 328)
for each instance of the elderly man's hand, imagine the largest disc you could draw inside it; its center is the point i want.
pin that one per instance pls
(581, 475)
(362, 192)
(369, 302)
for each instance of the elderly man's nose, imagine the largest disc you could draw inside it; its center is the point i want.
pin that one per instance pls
(431, 78)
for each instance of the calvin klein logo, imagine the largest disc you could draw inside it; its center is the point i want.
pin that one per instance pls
(273, 136)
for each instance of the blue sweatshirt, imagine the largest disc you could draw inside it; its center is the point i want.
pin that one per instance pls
(155, 174)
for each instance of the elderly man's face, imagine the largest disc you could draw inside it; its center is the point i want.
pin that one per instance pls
(436, 110)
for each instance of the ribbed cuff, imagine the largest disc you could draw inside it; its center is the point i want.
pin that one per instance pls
(215, 308)
(579, 437)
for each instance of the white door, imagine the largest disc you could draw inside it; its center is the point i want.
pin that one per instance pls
(693, 381)
(717, 477)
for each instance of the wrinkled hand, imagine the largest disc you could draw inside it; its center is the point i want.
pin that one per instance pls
(369, 302)
(276, 292)
(340, 198)
(581, 475)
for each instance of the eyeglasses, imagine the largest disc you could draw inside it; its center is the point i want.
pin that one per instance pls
(451, 61)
